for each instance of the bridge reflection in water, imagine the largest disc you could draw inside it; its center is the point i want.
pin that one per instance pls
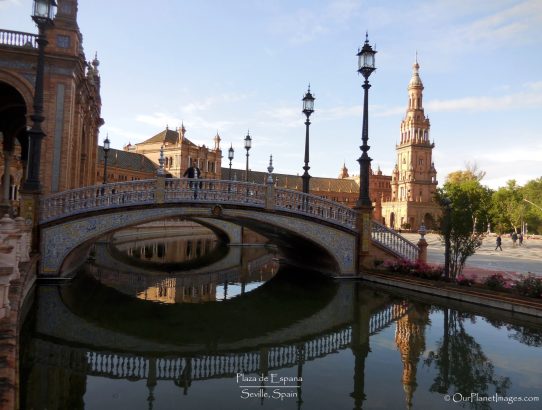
(102, 341)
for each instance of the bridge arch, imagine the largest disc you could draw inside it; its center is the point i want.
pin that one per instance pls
(64, 244)
(71, 218)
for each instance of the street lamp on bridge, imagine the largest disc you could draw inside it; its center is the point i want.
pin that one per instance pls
(366, 65)
(308, 109)
(107, 147)
(44, 12)
(230, 157)
(364, 205)
(248, 145)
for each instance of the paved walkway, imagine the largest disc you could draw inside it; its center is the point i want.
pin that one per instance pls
(511, 262)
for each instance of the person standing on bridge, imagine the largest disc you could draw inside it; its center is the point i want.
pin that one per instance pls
(193, 172)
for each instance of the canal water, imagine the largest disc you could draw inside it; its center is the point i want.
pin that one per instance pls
(169, 322)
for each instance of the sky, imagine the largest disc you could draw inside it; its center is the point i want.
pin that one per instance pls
(238, 65)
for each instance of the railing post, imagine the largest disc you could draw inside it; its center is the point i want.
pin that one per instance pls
(160, 189)
(270, 201)
(422, 245)
(364, 228)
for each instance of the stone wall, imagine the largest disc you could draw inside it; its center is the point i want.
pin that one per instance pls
(17, 277)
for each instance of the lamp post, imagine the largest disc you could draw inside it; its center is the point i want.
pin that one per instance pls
(364, 205)
(248, 145)
(366, 65)
(308, 109)
(43, 14)
(230, 157)
(106, 153)
(44, 11)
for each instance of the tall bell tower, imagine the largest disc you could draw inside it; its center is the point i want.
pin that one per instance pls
(414, 178)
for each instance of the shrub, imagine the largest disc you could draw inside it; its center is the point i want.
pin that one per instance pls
(417, 269)
(530, 286)
(377, 263)
(496, 282)
(464, 281)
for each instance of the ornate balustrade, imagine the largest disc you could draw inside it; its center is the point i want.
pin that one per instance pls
(396, 243)
(76, 201)
(306, 204)
(80, 200)
(17, 39)
(213, 190)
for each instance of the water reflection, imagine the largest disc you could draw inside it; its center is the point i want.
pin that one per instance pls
(240, 270)
(297, 340)
(171, 244)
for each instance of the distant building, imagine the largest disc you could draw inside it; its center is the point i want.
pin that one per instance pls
(124, 166)
(414, 178)
(179, 152)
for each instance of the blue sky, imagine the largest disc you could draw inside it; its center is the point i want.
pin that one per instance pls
(237, 65)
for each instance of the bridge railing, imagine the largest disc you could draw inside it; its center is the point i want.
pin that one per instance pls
(301, 203)
(96, 197)
(214, 190)
(391, 240)
(17, 39)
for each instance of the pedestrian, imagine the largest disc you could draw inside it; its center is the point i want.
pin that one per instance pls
(499, 241)
(514, 238)
(193, 172)
(520, 239)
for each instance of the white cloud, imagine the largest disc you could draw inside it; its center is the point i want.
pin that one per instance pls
(159, 120)
(512, 101)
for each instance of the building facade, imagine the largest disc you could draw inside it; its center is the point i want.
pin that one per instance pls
(124, 166)
(71, 106)
(414, 178)
(179, 152)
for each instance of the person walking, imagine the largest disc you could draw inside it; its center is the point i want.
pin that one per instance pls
(193, 172)
(514, 238)
(520, 239)
(499, 242)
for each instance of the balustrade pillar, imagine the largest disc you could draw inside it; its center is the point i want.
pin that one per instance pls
(422, 250)
(270, 200)
(364, 228)
(160, 189)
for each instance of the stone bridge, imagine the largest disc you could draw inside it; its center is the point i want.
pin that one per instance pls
(315, 225)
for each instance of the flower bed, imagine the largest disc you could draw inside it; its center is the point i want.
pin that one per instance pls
(526, 286)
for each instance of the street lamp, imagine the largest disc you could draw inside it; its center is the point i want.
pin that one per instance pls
(366, 65)
(248, 145)
(106, 152)
(44, 11)
(308, 109)
(230, 157)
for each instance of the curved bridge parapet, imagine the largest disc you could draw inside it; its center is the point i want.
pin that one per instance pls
(69, 218)
(205, 191)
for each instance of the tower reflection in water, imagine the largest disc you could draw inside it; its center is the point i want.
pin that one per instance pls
(100, 342)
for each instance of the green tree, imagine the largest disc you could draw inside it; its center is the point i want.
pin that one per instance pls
(466, 221)
(513, 205)
(532, 192)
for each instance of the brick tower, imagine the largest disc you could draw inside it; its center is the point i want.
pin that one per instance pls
(414, 179)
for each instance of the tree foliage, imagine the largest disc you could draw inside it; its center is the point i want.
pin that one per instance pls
(470, 173)
(514, 205)
(468, 218)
